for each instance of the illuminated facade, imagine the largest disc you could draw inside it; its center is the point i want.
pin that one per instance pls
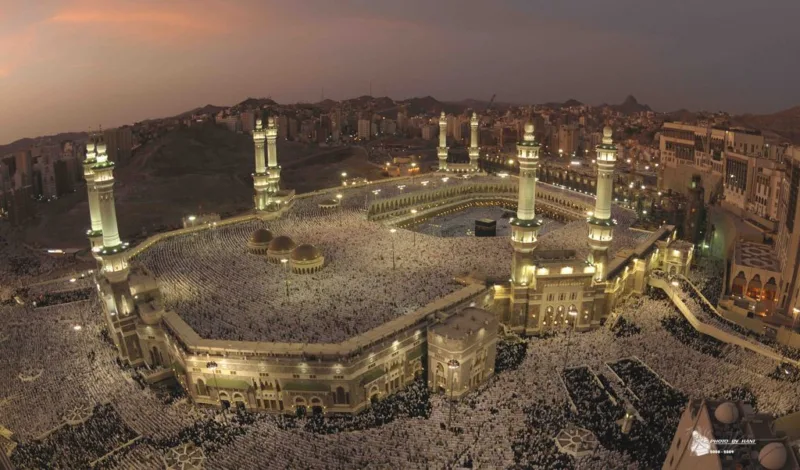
(95, 232)
(601, 225)
(441, 152)
(474, 150)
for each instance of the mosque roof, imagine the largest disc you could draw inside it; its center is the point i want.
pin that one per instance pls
(281, 243)
(261, 236)
(306, 252)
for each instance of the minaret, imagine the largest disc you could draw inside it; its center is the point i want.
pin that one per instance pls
(95, 232)
(442, 150)
(601, 225)
(474, 151)
(112, 256)
(260, 177)
(273, 170)
(525, 226)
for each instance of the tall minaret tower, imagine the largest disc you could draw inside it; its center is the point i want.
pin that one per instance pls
(260, 178)
(474, 151)
(273, 170)
(95, 232)
(601, 225)
(442, 150)
(112, 256)
(525, 226)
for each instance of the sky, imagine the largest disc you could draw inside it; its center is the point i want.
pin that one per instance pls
(67, 65)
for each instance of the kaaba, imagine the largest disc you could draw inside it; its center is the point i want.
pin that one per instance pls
(485, 228)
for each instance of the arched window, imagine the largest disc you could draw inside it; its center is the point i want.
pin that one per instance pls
(754, 287)
(201, 387)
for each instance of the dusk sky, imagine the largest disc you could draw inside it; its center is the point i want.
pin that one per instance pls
(66, 65)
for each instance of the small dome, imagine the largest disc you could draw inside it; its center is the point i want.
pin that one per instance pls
(258, 123)
(281, 243)
(261, 236)
(271, 122)
(529, 127)
(772, 456)
(305, 252)
(607, 131)
(727, 413)
(442, 115)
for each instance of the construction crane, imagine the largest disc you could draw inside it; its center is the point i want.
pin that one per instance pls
(489, 106)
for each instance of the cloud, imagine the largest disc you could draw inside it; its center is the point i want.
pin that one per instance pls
(145, 21)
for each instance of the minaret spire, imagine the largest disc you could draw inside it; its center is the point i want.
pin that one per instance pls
(442, 150)
(525, 226)
(474, 150)
(95, 232)
(601, 225)
(112, 255)
(260, 178)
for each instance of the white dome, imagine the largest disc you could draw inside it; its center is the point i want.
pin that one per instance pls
(607, 131)
(727, 413)
(529, 127)
(772, 456)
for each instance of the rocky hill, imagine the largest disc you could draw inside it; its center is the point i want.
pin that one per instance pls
(631, 106)
(784, 123)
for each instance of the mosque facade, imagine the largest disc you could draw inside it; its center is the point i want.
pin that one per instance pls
(451, 341)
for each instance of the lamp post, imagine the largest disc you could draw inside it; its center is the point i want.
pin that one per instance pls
(212, 366)
(452, 365)
(285, 263)
(414, 222)
(573, 313)
(413, 172)
(393, 231)
(339, 198)
(344, 175)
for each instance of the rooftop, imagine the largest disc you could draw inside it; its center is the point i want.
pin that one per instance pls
(756, 255)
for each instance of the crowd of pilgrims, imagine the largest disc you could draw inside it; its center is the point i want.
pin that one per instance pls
(224, 292)
(510, 420)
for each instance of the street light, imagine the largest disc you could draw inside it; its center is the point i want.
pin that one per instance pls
(212, 366)
(452, 365)
(573, 313)
(339, 198)
(285, 263)
(511, 162)
(414, 222)
(393, 231)
(413, 172)
(344, 175)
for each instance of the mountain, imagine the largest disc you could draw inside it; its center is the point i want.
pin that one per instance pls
(631, 106)
(784, 123)
(27, 142)
(252, 103)
(566, 104)
(207, 109)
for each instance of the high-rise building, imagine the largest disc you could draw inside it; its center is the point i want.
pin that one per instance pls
(788, 243)
(119, 142)
(364, 129)
(568, 138)
(248, 121)
(232, 123)
(283, 127)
